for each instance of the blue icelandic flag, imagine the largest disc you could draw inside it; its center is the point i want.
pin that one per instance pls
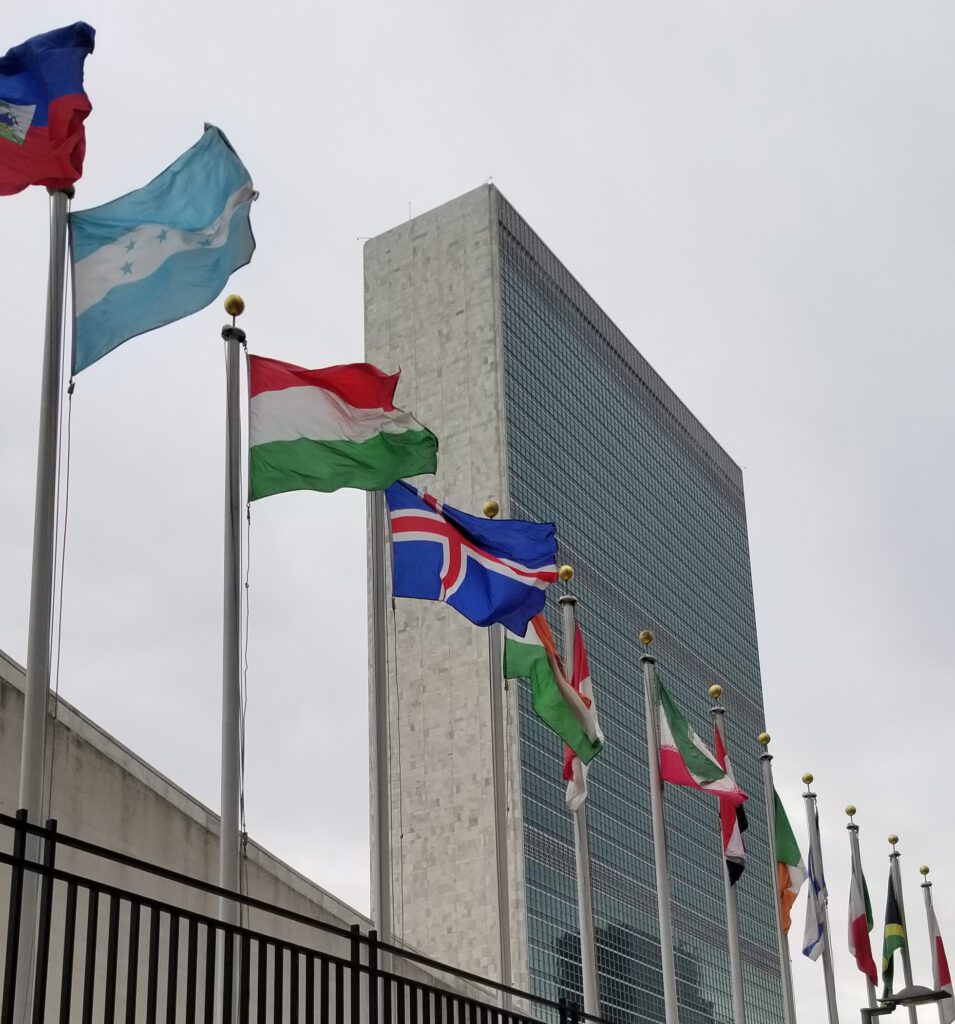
(162, 252)
(490, 570)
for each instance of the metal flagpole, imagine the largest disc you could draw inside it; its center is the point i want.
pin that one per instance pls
(929, 914)
(37, 690)
(381, 870)
(853, 829)
(812, 821)
(785, 968)
(499, 783)
(906, 955)
(729, 891)
(585, 907)
(659, 833)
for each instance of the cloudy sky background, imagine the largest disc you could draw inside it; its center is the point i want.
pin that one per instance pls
(759, 195)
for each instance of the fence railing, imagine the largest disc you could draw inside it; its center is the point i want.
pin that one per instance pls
(79, 947)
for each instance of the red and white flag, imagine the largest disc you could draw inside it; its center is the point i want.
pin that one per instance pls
(860, 924)
(575, 771)
(732, 820)
(940, 971)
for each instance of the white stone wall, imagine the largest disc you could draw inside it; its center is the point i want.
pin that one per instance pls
(432, 309)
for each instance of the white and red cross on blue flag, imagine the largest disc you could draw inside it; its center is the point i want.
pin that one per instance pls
(490, 570)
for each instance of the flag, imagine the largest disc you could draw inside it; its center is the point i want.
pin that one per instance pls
(489, 570)
(790, 869)
(814, 937)
(318, 430)
(733, 821)
(162, 252)
(860, 924)
(42, 109)
(940, 972)
(535, 657)
(894, 937)
(685, 759)
(575, 771)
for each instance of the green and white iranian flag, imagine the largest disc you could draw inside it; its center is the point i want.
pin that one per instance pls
(320, 430)
(685, 759)
(535, 657)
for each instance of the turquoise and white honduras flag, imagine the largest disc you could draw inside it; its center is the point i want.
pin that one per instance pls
(161, 253)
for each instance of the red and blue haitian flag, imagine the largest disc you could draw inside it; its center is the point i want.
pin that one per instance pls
(490, 570)
(42, 109)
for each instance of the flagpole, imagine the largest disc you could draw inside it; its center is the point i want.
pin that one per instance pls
(229, 819)
(815, 846)
(659, 833)
(729, 891)
(853, 830)
(585, 907)
(383, 911)
(929, 914)
(785, 968)
(499, 784)
(896, 872)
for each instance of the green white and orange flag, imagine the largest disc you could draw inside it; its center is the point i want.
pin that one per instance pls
(534, 657)
(321, 430)
(790, 869)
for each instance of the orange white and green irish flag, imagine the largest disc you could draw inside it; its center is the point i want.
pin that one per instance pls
(790, 869)
(320, 430)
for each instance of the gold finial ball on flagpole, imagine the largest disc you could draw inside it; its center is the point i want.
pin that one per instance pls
(646, 637)
(850, 809)
(893, 839)
(491, 508)
(234, 305)
(565, 573)
(763, 739)
(807, 778)
(923, 870)
(716, 691)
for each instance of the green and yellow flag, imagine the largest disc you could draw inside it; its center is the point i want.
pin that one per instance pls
(894, 937)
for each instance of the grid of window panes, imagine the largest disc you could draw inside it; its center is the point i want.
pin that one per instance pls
(650, 513)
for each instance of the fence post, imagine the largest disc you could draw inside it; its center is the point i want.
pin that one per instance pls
(45, 918)
(562, 1010)
(373, 977)
(13, 920)
(355, 983)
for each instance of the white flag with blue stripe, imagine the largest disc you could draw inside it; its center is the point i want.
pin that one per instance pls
(162, 252)
(814, 937)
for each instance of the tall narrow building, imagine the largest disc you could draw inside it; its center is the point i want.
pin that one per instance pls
(540, 401)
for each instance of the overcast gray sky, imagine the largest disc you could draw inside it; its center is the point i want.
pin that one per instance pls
(758, 194)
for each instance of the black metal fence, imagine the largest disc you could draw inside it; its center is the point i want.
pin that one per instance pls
(80, 948)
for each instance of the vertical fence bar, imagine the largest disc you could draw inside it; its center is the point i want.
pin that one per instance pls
(45, 919)
(278, 987)
(400, 1000)
(438, 1008)
(132, 964)
(209, 984)
(172, 969)
(373, 977)
(228, 974)
(69, 944)
(152, 966)
(192, 965)
(245, 979)
(413, 1003)
(386, 1015)
(112, 955)
(13, 920)
(354, 980)
(293, 987)
(339, 993)
(89, 966)
(323, 1004)
(310, 990)
(262, 980)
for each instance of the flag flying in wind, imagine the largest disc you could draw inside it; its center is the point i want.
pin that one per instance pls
(556, 702)
(814, 937)
(575, 771)
(733, 821)
(790, 869)
(860, 924)
(42, 109)
(894, 937)
(162, 252)
(685, 760)
(940, 971)
(489, 570)
(319, 430)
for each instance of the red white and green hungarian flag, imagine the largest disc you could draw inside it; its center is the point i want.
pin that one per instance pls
(320, 430)
(860, 924)
(940, 970)
(790, 868)
(685, 759)
(575, 771)
(534, 657)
